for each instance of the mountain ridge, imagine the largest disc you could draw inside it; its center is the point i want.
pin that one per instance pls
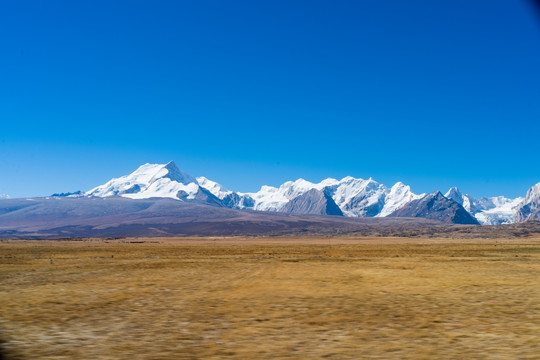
(116, 216)
(354, 197)
(436, 206)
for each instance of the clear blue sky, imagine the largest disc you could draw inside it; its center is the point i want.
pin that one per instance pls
(431, 93)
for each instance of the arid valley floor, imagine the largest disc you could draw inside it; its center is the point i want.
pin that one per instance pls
(271, 298)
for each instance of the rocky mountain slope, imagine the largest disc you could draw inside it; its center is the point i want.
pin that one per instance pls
(83, 217)
(69, 217)
(314, 202)
(354, 197)
(436, 206)
(488, 211)
(529, 207)
(350, 197)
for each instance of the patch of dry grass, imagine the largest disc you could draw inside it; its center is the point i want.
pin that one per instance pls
(269, 298)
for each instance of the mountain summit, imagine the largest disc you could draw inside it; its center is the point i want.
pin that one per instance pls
(172, 172)
(436, 206)
(149, 181)
(488, 211)
(349, 196)
(314, 202)
(529, 208)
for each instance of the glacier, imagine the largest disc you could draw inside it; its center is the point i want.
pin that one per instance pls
(354, 197)
(488, 211)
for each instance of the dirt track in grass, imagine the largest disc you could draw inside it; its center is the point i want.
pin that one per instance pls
(268, 298)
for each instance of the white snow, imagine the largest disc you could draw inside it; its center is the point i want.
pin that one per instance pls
(355, 197)
(327, 182)
(150, 180)
(399, 195)
(530, 204)
(268, 198)
(165, 188)
(533, 195)
(503, 212)
(216, 189)
(488, 211)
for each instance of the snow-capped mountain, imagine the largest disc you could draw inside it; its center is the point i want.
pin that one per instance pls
(156, 181)
(529, 207)
(355, 197)
(435, 206)
(464, 200)
(358, 197)
(398, 196)
(348, 197)
(315, 202)
(228, 198)
(4, 196)
(270, 198)
(216, 189)
(488, 211)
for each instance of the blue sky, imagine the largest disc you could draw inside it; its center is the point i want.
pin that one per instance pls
(247, 93)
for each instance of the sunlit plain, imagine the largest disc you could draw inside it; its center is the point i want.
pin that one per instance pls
(271, 298)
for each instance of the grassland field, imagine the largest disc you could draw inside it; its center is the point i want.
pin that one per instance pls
(270, 298)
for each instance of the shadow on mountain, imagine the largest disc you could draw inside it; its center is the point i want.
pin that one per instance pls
(53, 218)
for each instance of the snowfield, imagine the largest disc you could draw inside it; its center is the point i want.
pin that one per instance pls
(355, 197)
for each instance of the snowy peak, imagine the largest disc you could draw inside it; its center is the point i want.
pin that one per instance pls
(488, 211)
(436, 206)
(359, 197)
(349, 196)
(292, 189)
(216, 189)
(173, 173)
(270, 198)
(151, 180)
(327, 182)
(464, 200)
(529, 207)
(455, 194)
(533, 194)
(399, 195)
(227, 197)
(354, 197)
(400, 188)
(437, 195)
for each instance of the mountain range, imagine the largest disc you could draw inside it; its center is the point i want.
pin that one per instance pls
(349, 197)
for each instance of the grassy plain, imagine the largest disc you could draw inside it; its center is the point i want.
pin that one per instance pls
(273, 298)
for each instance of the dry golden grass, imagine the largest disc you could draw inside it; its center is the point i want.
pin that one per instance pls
(312, 298)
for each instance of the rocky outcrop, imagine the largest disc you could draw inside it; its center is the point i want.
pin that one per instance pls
(314, 202)
(529, 208)
(435, 206)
